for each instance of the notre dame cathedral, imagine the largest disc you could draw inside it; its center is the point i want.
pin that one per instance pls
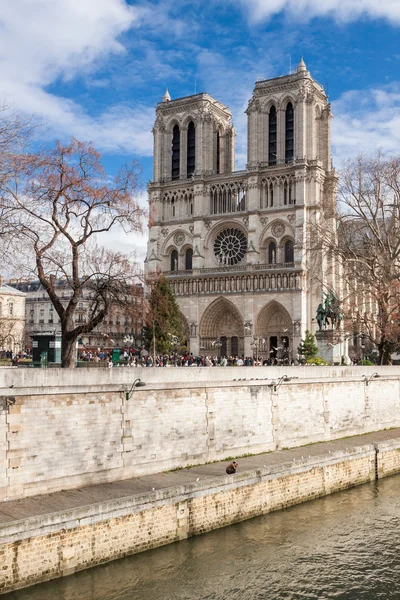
(231, 243)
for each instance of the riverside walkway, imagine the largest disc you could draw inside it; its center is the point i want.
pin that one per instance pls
(70, 500)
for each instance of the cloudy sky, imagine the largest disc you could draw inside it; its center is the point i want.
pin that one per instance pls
(95, 69)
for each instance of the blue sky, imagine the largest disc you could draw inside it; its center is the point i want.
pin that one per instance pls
(96, 69)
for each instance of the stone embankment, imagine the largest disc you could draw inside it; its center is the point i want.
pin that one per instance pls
(56, 535)
(93, 468)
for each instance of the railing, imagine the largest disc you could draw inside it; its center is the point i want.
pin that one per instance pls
(237, 283)
(206, 176)
(232, 269)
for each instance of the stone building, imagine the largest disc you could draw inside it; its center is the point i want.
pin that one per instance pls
(116, 330)
(12, 319)
(235, 245)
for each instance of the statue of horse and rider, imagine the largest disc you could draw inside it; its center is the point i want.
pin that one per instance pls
(329, 312)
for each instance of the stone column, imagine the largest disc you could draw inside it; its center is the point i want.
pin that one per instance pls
(299, 139)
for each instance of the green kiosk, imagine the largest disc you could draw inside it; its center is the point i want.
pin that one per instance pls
(46, 348)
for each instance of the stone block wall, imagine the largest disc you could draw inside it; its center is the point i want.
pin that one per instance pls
(63, 429)
(60, 544)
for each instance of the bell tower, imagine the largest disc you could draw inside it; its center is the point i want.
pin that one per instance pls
(289, 121)
(192, 136)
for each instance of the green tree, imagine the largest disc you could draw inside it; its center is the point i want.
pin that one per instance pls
(163, 321)
(308, 348)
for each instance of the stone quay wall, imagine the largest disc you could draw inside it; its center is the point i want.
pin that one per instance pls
(61, 429)
(55, 545)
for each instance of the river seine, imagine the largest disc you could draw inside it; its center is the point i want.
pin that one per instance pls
(344, 546)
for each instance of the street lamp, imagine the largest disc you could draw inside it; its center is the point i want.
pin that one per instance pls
(255, 345)
(277, 384)
(137, 383)
(174, 344)
(367, 380)
(218, 345)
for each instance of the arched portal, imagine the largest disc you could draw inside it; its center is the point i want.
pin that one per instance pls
(274, 330)
(222, 321)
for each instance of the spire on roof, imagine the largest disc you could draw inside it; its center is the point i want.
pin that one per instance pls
(166, 97)
(301, 66)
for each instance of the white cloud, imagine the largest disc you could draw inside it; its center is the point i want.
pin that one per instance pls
(44, 41)
(366, 120)
(341, 10)
(128, 243)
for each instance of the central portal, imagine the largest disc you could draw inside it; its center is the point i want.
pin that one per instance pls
(222, 322)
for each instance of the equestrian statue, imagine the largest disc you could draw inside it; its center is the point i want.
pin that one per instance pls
(329, 311)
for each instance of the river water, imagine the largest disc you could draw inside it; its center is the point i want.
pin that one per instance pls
(343, 546)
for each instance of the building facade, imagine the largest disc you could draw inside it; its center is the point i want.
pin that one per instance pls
(12, 319)
(118, 329)
(236, 245)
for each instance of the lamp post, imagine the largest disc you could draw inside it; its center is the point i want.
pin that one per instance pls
(174, 344)
(154, 344)
(275, 385)
(255, 345)
(218, 345)
(137, 383)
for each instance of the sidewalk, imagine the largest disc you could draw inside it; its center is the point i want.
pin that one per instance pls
(71, 499)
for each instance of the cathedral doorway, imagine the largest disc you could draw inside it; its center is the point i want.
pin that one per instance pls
(274, 330)
(222, 322)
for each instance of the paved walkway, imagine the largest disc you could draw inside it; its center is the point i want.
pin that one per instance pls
(57, 502)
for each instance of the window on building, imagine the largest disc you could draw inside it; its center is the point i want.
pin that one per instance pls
(188, 259)
(285, 193)
(218, 151)
(271, 195)
(11, 308)
(272, 136)
(174, 260)
(289, 254)
(191, 149)
(227, 199)
(176, 152)
(272, 253)
(289, 132)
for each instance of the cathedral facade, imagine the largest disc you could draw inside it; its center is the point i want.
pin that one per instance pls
(234, 245)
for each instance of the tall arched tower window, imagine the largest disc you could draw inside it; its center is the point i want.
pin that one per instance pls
(272, 253)
(289, 132)
(289, 251)
(272, 136)
(174, 260)
(188, 259)
(176, 152)
(191, 148)
(218, 151)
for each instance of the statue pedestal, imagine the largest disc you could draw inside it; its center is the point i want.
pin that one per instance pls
(332, 346)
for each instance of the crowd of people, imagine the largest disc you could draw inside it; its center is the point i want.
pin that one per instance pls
(144, 359)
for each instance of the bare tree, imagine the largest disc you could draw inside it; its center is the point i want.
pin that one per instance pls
(9, 334)
(366, 249)
(15, 136)
(58, 202)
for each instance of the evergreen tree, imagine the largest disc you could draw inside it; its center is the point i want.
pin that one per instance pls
(164, 321)
(308, 348)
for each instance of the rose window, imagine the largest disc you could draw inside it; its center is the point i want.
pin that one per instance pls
(230, 246)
